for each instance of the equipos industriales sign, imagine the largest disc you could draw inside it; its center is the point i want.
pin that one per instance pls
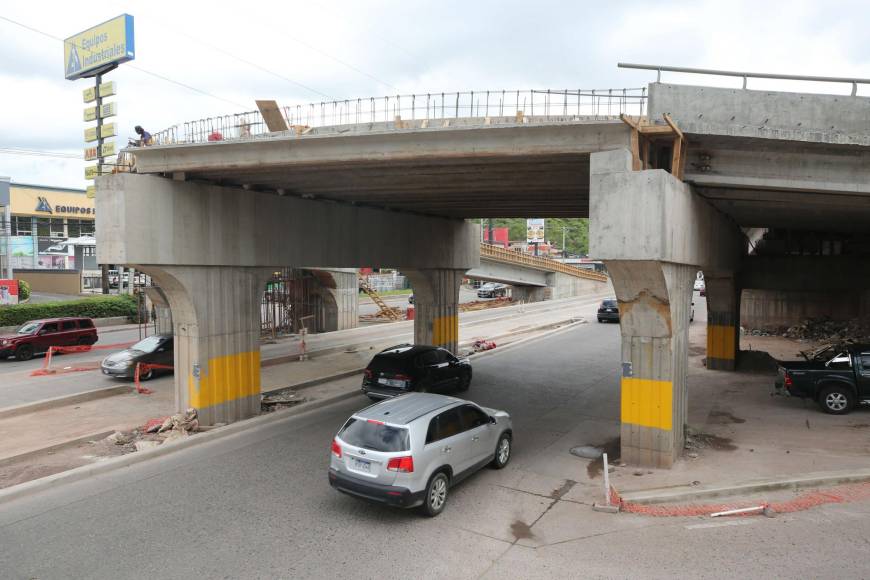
(99, 49)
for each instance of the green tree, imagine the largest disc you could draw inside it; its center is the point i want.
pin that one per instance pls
(576, 231)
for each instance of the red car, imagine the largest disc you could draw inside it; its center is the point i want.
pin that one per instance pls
(38, 335)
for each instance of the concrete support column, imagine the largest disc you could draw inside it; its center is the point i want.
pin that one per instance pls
(528, 293)
(436, 305)
(654, 306)
(216, 320)
(723, 322)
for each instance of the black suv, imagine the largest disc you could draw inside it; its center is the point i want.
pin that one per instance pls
(404, 368)
(609, 311)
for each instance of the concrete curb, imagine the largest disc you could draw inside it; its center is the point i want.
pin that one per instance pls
(79, 473)
(46, 404)
(57, 447)
(314, 382)
(820, 479)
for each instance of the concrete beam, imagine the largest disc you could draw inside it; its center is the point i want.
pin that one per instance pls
(804, 117)
(803, 273)
(156, 221)
(515, 274)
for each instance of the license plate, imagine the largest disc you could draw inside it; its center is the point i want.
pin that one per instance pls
(362, 465)
(611, 310)
(391, 383)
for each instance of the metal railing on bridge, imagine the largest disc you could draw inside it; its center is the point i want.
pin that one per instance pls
(538, 262)
(524, 106)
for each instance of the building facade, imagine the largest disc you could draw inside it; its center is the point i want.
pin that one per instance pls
(50, 237)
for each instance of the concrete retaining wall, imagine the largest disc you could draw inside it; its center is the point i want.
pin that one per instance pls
(765, 309)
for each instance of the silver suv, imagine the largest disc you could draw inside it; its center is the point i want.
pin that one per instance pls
(410, 450)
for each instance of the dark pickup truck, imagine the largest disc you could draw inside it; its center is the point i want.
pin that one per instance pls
(838, 378)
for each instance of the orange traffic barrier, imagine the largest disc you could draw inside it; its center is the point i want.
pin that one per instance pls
(143, 368)
(52, 350)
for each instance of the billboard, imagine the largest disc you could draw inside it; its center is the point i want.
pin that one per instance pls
(8, 292)
(99, 49)
(535, 230)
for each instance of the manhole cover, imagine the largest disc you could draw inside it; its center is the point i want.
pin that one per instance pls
(587, 452)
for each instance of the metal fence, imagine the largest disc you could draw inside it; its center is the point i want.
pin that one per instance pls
(531, 105)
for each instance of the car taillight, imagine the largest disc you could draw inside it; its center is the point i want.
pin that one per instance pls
(403, 464)
(336, 448)
(788, 381)
(367, 373)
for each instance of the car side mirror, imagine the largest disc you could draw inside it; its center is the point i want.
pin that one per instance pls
(492, 420)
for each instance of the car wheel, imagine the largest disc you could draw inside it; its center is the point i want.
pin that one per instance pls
(837, 400)
(24, 352)
(147, 375)
(502, 451)
(464, 381)
(436, 494)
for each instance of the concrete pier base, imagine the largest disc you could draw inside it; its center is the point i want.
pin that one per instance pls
(723, 322)
(654, 305)
(215, 316)
(436, 304)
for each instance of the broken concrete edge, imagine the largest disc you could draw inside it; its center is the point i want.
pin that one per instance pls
(57, 447)
(605, 508)
(85, 471)
(810, 480)
(65, 400)
(79, 473)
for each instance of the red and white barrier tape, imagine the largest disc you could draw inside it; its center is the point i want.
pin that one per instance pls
(46, 363)
(143, 368)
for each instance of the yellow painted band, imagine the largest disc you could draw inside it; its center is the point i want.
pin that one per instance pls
(445, 330)
(225, 378)
(721, 341)
(647, 402)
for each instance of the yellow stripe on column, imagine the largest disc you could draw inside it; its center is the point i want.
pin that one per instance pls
(445, 330)
(226, 378)
(647, 402)
(721, 341)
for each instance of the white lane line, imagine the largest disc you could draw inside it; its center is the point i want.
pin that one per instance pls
(743, 522)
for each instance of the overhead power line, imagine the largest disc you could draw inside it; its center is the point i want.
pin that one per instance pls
(38, 153)
(132, 66)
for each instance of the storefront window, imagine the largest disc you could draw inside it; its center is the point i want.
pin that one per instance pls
(22, 226)
(43, 227)
(73, 228)
(57, 228)
(87, 227)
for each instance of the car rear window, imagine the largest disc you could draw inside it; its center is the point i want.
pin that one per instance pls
(391, 364)
(374, 435)
(609, 304)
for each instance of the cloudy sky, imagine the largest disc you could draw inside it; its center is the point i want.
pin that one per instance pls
(301, 52)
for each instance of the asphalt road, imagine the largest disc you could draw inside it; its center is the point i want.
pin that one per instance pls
(258, 505)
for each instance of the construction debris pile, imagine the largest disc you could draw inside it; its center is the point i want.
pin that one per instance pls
(385, 314)
(282, 400)
(484, 304)
(156, 432)
(824, 330)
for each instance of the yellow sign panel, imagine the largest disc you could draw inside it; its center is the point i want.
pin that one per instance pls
(90, 153)
(91, 134)
(106, 110)
(107, 149)
(108, 130)
(91, 191)
(90, 114)
(99, 49)
(46, 202)
(89, 95)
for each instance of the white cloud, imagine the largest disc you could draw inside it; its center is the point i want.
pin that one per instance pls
(414, 46)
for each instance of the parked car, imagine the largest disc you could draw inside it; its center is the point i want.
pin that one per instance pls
(155, 349)
(837, 378)
(492, 290)
(37, 336)
(404, 368)
(411, 450)
(608, 310)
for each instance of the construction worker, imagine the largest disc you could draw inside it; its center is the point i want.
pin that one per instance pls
(144, 137)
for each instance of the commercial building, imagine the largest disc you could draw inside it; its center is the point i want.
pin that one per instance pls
(49, 237)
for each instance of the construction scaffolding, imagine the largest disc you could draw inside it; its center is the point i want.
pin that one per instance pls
(291, 302)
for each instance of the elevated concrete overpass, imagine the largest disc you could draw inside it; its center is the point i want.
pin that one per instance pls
(667, 193)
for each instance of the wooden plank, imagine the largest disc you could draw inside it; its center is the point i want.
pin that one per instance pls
(272, 116)
(673, 126)
(683, 155)
(676, 157)
(644, 153)
(656, 130)
(635, 153)
(628, 121)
